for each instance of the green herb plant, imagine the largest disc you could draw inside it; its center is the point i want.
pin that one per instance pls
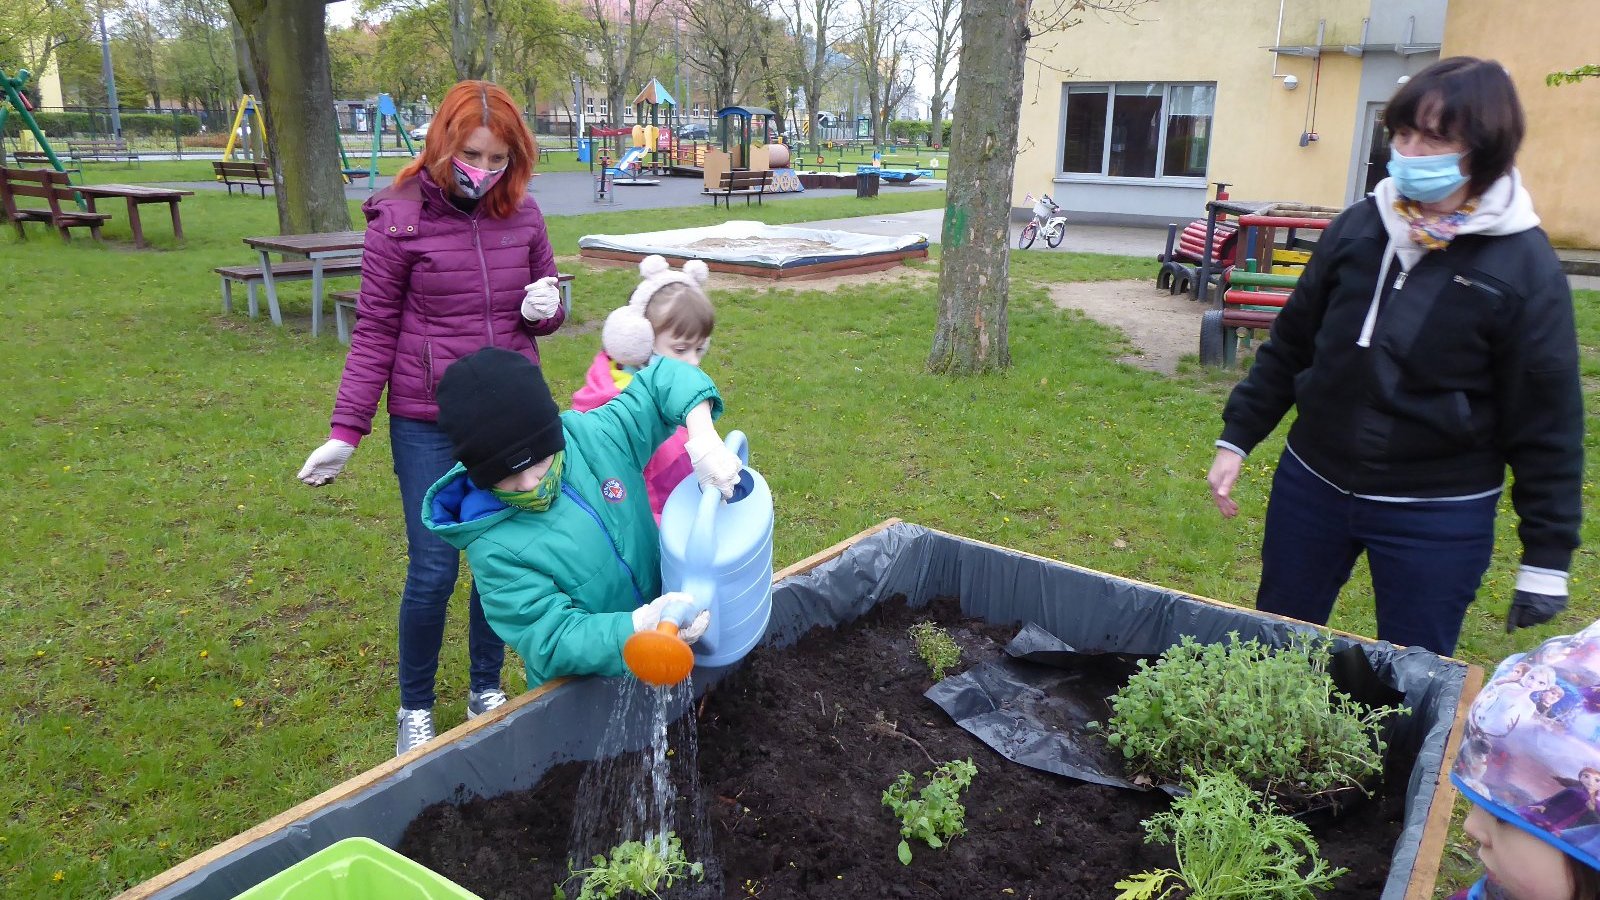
(1230, 842)
(939, 651)
(935, 814)
(635, 869)
(1272, 717)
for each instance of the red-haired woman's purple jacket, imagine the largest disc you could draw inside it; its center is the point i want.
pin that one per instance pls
(436, 285)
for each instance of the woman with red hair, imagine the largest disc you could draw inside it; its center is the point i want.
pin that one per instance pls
(456, 259)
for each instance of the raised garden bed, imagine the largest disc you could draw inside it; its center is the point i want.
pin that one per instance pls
(793, 780)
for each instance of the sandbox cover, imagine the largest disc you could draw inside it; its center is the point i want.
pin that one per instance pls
(755, 244)
(1081, 606)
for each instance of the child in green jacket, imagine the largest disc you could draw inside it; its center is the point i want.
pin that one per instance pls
(551, 508)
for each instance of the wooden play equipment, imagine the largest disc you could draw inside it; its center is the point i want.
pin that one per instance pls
(1250, 298)
(647, 136)
(739, 151)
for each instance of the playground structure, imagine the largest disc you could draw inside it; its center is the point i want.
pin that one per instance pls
(384, 111)
(248, 106)
(739, 127)
(17, 100)
(776, 253)
(1252, 295)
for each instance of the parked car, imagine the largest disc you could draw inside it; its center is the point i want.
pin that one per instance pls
(420, 133)
(694, 131)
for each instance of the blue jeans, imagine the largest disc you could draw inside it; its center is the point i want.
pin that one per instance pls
(422, 455)
(1427, 558)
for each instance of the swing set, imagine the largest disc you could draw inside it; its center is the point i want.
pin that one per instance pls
(17, 100)
(386, 112)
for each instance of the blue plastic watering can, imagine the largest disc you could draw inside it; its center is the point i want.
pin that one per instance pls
(721, 554)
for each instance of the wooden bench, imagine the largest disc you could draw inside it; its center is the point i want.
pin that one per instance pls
(60, 211)
(298, 270)
(741, 183)
(344, 307)
(244, 174)
(96, 151)
(25, 158)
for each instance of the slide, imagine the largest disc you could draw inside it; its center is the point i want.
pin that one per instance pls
(620, 170)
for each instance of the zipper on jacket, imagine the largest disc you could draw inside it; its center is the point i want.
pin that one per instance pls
(488, 295)
(1489, 289)
(627, 570)
(427, 367)
(1400, 281)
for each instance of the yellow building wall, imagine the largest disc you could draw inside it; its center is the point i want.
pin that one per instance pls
(1560, 158)
(1256, 123)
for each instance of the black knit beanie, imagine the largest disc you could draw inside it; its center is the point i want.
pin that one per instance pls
(499, 414)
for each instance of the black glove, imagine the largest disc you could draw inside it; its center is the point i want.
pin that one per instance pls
(1528, 609)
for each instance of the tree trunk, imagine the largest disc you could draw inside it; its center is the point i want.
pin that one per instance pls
(974, 265)
(466, 40)
(289, 46)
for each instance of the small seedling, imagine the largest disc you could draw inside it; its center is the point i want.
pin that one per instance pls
(1230, 842)
(635, 869)
(936, 814)
(939, 651)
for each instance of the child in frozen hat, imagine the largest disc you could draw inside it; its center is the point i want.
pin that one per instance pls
(550, 507)
(668, 316)
(1534, 778)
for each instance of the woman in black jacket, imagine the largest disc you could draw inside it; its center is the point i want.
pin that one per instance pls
(1428, 344)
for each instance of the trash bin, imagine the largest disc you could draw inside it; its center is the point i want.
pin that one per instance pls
(867, 183)
(583, 150)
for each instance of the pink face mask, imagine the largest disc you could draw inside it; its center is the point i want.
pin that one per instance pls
(474, 182)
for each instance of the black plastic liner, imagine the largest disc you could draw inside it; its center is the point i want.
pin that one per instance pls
(1081, 607)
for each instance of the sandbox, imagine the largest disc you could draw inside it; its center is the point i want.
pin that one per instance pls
(763, 251)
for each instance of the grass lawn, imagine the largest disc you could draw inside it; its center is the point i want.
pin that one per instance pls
(195, 641)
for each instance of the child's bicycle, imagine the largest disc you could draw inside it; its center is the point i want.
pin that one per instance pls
(1046, 215)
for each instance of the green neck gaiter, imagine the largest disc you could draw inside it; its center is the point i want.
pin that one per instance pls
(542, 495)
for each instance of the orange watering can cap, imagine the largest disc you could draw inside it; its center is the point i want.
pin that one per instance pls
(658, 657)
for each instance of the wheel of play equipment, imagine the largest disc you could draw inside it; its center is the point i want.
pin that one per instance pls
(1029, 232)
(1055, 236)
(1212, 336)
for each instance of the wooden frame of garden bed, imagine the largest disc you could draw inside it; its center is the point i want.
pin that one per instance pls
(856, 265)
(1424, 875)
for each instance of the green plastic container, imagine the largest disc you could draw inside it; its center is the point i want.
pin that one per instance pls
(357, 868)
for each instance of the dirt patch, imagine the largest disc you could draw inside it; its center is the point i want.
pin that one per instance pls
(795, 750)
(1162, 327)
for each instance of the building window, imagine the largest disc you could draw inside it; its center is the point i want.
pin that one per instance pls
(590, 104)
(605, 109)
(1137, 130)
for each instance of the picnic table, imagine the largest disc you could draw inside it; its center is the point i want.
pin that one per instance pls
(317, 248)
(136, 194)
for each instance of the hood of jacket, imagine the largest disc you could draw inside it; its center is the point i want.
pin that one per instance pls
(1505, 208)
(459, 511)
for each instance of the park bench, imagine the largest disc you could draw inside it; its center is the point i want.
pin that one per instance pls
(25, 158)
(60, 211)
(244, 174)
(98, 151)
(740, 183)
(297, 270)
(344, 307)
(1250, 299)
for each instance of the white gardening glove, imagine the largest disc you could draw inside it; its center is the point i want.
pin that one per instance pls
(714, 464)
(541, 299)
(696, 629)
(648, 616)
(326, 462)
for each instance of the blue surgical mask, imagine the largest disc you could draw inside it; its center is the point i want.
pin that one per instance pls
(1426, 179)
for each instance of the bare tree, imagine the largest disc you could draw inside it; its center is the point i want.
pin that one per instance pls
(722, 38)
(624, 39)
(814, 26)
(974, 263)
(877, 50)
(288, 49)
(940, 24)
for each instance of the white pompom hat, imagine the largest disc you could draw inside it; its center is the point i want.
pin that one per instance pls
(628, 338)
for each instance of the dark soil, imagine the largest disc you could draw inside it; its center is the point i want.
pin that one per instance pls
(795, 750)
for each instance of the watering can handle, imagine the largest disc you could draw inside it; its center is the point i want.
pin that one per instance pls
(683, 612)
(738, 443)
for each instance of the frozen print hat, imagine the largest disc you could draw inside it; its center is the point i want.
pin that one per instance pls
(1530, 752)
(628, 336)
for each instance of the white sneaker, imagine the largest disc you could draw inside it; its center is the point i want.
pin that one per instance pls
(416, 729)
(480, 702)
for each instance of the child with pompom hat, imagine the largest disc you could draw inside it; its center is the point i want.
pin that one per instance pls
(669, 316)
